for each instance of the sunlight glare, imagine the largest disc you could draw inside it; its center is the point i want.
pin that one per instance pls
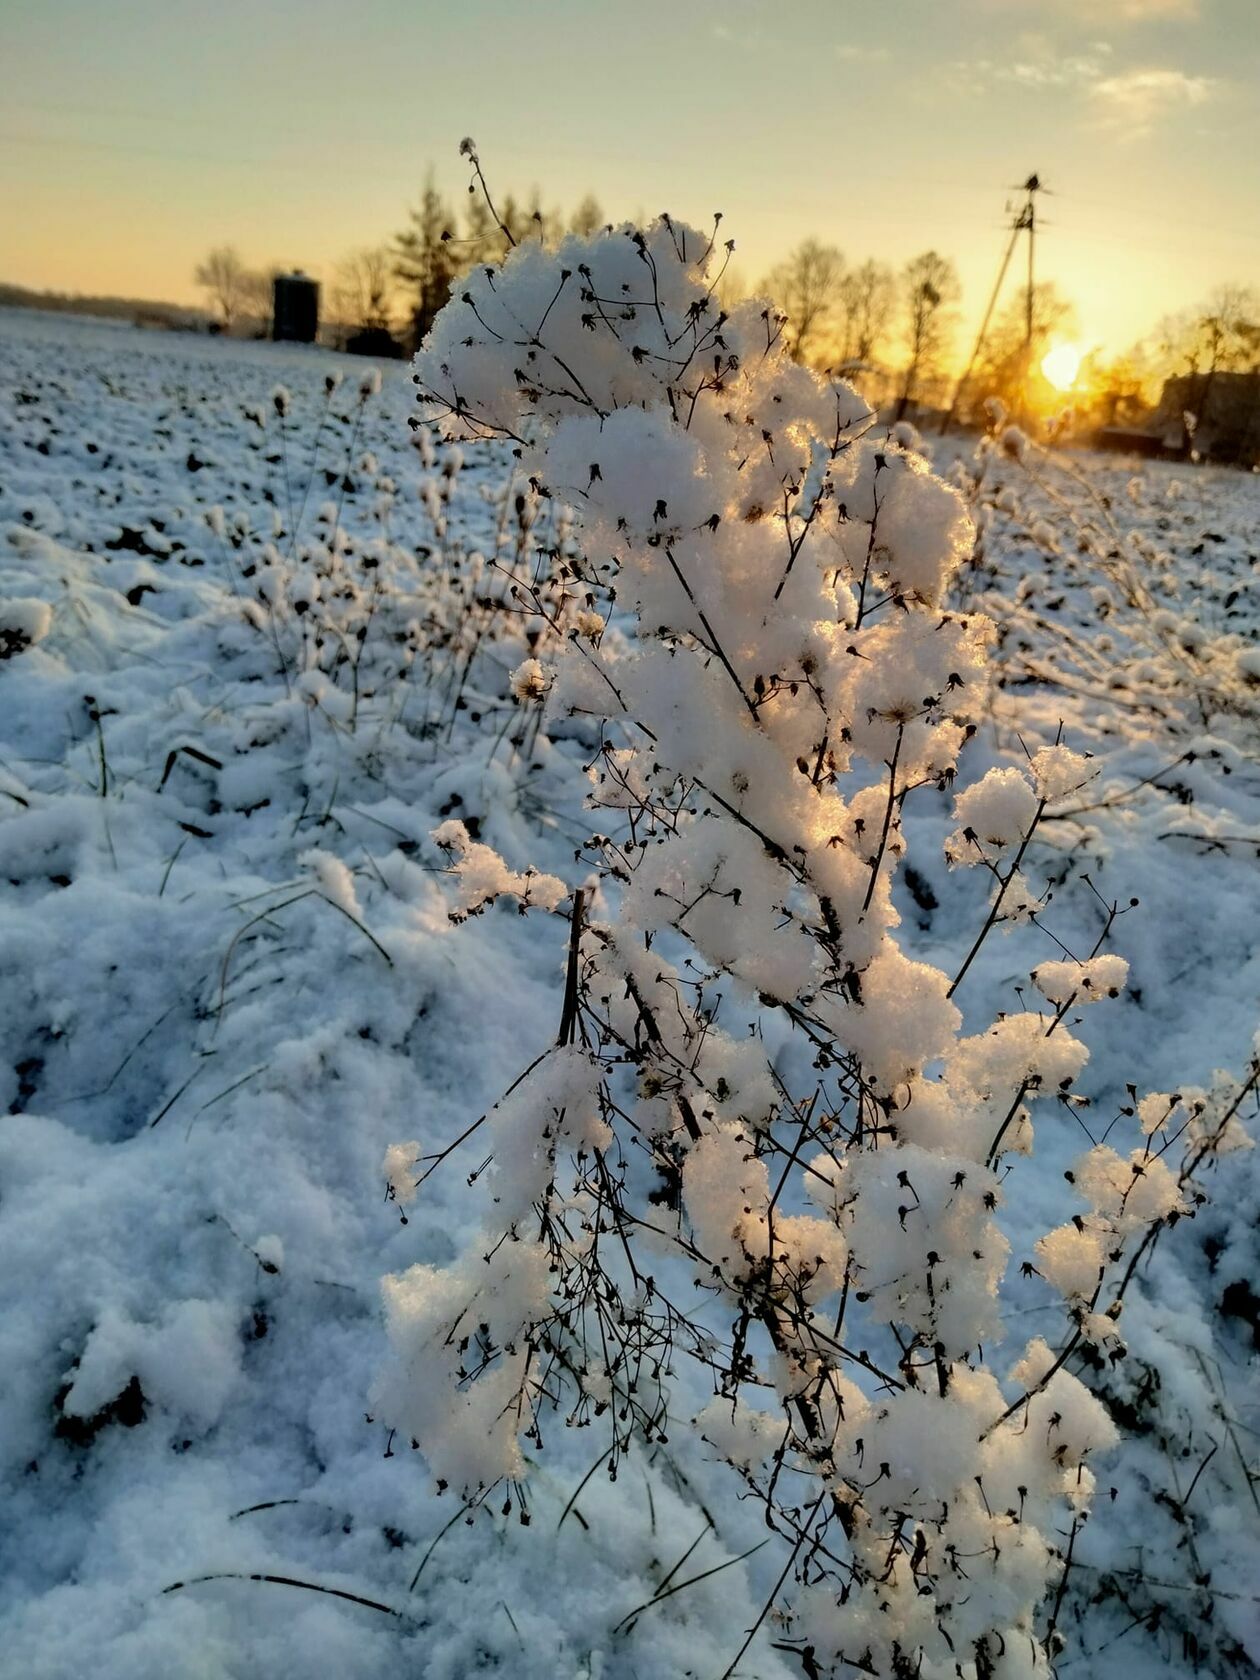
(1061, 364)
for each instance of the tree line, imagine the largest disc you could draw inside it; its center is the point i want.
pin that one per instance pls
(893, 332)
(400, 285)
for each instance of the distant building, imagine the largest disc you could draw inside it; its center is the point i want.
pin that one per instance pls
(294, 308)
(374, 341)
(1129, 440)
(1217, 415)
(1225, 416)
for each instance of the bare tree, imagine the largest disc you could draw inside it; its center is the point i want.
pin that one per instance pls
(929, 289)
(517, 220)
(482, 239)
(806, 286)
(867, 297)
(362, 293)
(255, 295)
(588, 218)
(1116, 391)
(221, 275)
(547, 226)
(1223, 337)
(733, 287)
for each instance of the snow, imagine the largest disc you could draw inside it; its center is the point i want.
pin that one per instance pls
(233, 985)
(23, 622)
(999, 810)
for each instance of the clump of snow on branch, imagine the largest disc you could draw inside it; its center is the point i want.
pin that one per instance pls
(483, 876)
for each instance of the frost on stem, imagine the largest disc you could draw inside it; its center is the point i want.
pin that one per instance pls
(795, 678)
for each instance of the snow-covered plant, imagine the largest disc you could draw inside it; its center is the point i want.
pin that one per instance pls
(1168, 1560)
(762, 1141)
(353, 611)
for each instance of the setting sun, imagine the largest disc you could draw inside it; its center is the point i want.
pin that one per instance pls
(1061, 364)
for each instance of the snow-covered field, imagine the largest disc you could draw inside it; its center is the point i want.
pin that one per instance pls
(257, 654)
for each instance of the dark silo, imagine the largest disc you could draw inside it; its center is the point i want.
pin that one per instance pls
(294, 308)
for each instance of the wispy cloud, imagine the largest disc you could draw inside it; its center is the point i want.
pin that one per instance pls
(1132, 101)
(1106, 12)
(850, 53)
(1137, 99)
(1054, 72)
(1139, 11)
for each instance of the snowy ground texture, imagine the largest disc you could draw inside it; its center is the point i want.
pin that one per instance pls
(230, 982)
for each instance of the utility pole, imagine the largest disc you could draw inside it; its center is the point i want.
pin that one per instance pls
(1023, 221)
(1032, 186)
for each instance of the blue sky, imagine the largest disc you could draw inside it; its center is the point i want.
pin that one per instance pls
(136, 134)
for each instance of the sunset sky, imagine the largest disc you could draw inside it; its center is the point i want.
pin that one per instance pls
(136, 134)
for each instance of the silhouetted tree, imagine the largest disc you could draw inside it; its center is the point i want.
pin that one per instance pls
(1116, 391)
(866, 298)
(588, 218)
(256, 295)
(362, 292)
(424, 260)
(516, 218)
(929, 289)
(221, 276)
(548, 225)
(806, 286)
(1223, 337)
(481, 240)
